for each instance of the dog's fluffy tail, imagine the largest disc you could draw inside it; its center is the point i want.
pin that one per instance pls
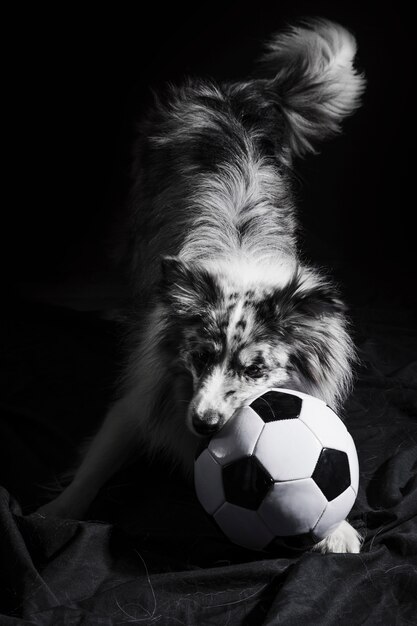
(309, 72)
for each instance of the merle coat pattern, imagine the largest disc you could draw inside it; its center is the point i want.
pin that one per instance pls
(227, 303)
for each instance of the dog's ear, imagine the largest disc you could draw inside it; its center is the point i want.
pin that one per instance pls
(311, 77)
(187, 288)
(311, 296)
(305, 297)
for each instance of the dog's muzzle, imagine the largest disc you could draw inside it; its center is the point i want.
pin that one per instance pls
(208, 423)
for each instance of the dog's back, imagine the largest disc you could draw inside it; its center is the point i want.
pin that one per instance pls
(211, 178)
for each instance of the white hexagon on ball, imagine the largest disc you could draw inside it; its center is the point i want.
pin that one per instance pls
(350, 450)
(324, 422)
(288, 450)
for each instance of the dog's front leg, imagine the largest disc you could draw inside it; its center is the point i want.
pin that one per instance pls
(344, 539)
(126, 423)
(107, 452)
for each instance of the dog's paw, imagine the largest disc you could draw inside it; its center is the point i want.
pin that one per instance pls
(343, 539)
(62, 507)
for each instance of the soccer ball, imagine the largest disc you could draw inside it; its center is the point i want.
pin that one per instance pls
(283, 470)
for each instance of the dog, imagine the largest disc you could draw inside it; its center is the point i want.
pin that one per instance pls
(225, 303)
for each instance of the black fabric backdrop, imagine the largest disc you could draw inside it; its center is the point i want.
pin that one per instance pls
(147, 553)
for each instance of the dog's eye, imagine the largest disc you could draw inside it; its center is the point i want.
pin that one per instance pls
(201, 360)
(254, 371)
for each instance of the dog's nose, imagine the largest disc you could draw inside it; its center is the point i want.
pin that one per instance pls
(207, 423)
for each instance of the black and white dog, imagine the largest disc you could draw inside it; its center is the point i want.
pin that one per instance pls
(230, 305)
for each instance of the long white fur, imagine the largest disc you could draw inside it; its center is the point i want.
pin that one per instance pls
(324, 81)
(221, 200)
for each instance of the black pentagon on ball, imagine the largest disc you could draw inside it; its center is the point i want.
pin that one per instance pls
(277, 405)
(332, 473)
(246, 482)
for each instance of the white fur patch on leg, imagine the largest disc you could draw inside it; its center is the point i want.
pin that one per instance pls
(344, 539)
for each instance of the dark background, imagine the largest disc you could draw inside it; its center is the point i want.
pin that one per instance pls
(77, 80)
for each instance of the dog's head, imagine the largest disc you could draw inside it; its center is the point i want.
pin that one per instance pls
(236, 340)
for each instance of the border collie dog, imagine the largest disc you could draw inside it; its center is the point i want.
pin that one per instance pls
(229, 306)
